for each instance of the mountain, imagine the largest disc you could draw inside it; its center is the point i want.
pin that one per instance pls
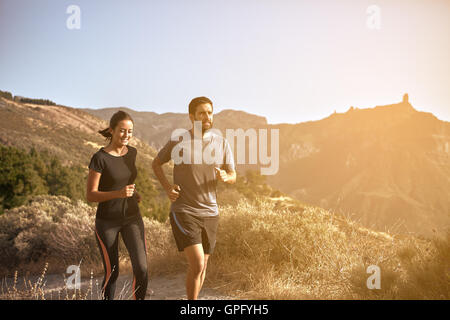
(387, 166)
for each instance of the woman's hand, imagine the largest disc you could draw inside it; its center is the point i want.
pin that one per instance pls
(127, 191)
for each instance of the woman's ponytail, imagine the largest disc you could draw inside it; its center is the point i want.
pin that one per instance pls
(105, 133)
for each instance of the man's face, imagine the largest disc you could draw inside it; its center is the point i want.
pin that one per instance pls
(203, 113)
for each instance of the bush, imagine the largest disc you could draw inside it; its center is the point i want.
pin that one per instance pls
(6, 95)
(25, 174)
(48, 227)
(19, 178)
(44, 102)
(58, 230)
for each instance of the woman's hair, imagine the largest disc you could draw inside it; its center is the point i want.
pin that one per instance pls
(115, 119)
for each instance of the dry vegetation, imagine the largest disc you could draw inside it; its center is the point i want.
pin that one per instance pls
(310, 254)
(263, 251)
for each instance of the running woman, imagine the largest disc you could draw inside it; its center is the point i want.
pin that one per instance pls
(112, 173)
(194, 213)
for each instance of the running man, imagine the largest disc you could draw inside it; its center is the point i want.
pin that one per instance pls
(194, 212)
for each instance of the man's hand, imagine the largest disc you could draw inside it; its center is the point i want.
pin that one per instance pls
(173, 192)
(138, 196)
(222, 175)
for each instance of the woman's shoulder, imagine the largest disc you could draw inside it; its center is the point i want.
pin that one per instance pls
(99, 153)
(132, 149)
(99, 156)
(98, 161)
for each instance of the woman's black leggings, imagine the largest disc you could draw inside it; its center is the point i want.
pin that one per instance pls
(107, 235)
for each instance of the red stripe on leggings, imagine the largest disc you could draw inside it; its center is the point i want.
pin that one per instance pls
(106, 257)
(134, 286)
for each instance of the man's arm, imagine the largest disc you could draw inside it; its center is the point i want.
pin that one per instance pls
(172, 191)
(229, 174)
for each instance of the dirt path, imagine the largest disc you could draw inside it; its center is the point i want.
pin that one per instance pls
(170, 287)
(173, 288)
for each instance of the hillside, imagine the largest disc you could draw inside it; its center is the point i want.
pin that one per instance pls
(388, 166)
(68, 133)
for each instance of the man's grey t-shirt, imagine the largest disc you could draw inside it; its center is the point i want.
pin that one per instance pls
(194, 170)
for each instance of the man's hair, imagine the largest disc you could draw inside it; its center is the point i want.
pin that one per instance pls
(196, 102)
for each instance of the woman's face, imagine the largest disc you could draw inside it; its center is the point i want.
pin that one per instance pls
(122, 133)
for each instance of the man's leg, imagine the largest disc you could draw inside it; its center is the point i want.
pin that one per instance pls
(196, 270)
(208, 241)
(205, 264)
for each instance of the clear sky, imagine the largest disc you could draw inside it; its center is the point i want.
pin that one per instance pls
(288, 60)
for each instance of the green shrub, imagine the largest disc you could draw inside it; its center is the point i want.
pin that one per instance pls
(24, 174)
(19, 178)
(6, 95)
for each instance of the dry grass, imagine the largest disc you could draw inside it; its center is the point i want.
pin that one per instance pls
(264, 251)
(38, 289)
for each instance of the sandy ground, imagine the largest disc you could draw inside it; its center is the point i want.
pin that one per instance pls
(170, 287)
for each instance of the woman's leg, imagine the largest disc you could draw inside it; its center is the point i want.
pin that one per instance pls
(133, 236)
(106, 233)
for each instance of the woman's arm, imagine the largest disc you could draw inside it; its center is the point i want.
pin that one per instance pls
(93, 195)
